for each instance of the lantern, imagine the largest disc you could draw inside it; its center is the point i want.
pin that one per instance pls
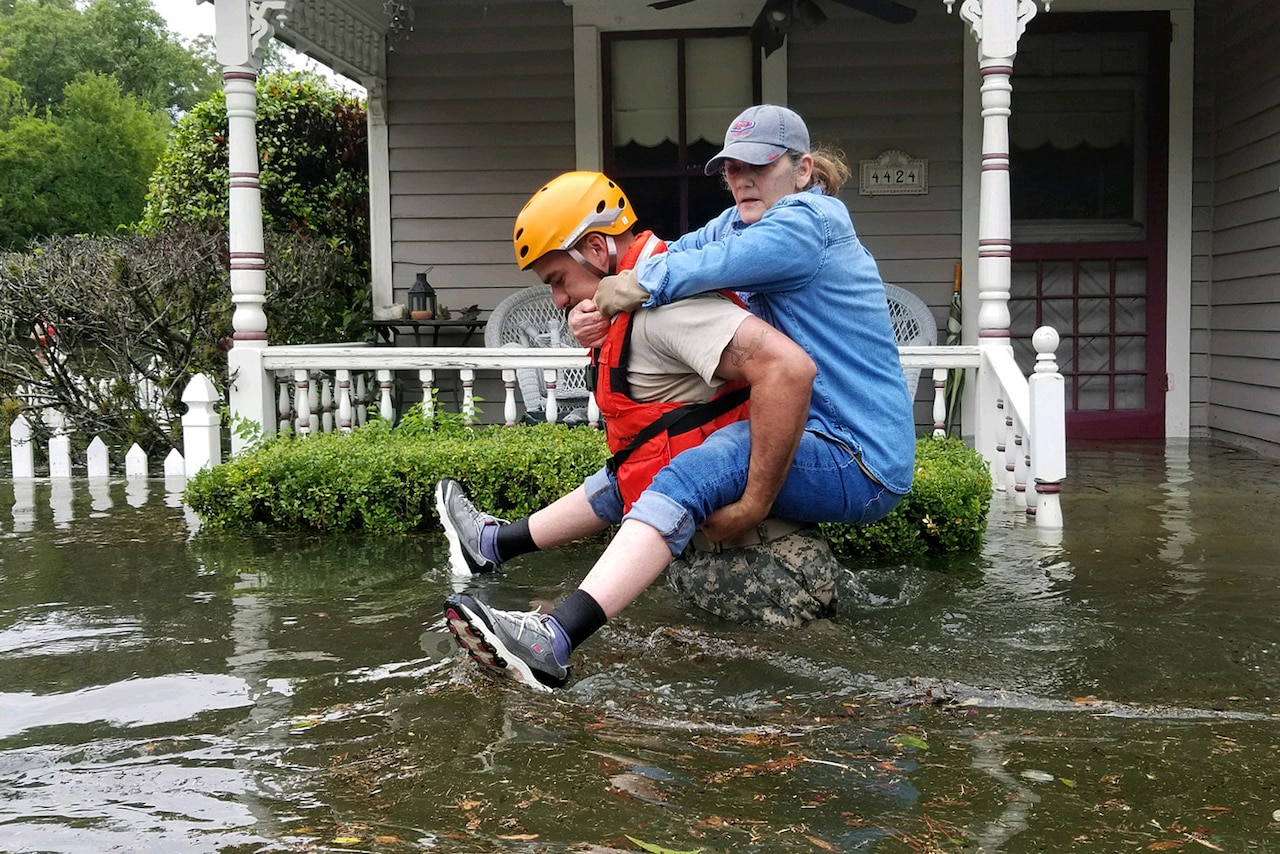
(422, 298)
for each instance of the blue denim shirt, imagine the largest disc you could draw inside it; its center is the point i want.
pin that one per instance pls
(808, 275)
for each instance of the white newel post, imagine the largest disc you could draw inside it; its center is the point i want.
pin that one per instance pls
(201, 433)
(997, 25)
(243, 29)
(1048, 466)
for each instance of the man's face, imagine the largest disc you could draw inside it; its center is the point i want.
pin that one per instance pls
(570, 282)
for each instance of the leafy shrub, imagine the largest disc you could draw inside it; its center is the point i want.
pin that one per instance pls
(381, 480)
(946, 510)
(313, 147)
(136, 317)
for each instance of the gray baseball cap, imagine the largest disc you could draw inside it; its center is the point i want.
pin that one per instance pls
(760, 135)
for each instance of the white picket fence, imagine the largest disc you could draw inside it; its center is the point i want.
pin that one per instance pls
(200, 439)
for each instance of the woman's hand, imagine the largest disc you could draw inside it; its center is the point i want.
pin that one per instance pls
(619, 293)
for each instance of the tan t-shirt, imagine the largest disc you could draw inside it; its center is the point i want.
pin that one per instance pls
(676, 348)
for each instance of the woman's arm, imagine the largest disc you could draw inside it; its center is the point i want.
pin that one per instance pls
(781, 252)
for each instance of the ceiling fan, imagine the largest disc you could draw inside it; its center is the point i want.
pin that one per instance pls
(779, 17)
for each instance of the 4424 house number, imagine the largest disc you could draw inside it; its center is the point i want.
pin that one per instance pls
(894, 174)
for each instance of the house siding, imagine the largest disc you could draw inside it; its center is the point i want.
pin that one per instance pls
(1240, 40)
(480, 113)
(866, 87)
(1201, 222)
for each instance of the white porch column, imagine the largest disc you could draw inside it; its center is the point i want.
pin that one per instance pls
(997, 25)
(380, 268)
(242, 30)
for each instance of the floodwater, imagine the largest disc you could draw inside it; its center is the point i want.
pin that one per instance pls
(1110, 690)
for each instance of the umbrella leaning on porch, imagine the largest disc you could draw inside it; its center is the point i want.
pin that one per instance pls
(955, 376)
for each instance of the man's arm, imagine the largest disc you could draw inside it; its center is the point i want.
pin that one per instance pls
(781, 377)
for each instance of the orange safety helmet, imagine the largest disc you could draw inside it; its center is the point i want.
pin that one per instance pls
(567, 207)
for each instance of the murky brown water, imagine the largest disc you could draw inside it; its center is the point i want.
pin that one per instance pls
(1112, 691)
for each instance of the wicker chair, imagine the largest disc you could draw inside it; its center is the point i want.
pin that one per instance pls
(529, 318)
(913, 325)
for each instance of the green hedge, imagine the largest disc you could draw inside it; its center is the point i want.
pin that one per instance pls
(381, 480)
(946, 510)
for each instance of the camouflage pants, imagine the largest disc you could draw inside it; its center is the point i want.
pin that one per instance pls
(786, 581)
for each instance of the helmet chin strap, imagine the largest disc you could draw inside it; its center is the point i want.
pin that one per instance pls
(592, 268)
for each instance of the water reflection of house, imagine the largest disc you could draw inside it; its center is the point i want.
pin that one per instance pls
(1143, 165)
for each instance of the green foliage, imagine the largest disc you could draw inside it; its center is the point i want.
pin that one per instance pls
(10, 409)
(380, 480)
(946, 510)
(46, 44)
(79, 168)
(313, 147)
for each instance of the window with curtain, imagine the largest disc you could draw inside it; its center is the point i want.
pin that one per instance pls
(1077, 136)
(668, 98)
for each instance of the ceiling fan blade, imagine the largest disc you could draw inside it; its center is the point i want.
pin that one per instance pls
(885, 10)
(667, 4)
(768, 33)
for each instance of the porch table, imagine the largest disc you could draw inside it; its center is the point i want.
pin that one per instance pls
(388, 332)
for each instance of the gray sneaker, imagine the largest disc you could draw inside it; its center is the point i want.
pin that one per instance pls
(462, 526)
(509, 643)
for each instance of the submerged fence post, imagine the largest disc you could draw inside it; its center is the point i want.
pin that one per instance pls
(135, 462)
(20, 450)
(98, 459)
(59, 445)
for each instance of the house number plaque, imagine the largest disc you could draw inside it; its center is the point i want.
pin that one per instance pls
(894, 173)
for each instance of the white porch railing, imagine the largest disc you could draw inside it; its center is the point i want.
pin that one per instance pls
(1020, 423)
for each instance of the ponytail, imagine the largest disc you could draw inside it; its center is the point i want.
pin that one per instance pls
(830, 171)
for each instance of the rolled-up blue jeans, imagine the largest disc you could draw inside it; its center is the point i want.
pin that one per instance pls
(825, 484)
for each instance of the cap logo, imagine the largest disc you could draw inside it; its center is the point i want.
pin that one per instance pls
(741, 128)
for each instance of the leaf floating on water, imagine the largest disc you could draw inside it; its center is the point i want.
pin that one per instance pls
(658, 849)
(1070, 784)
(911, 741)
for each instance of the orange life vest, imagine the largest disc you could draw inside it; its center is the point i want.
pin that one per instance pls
(645, 436)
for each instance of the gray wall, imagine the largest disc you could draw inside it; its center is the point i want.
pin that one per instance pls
(1241, 42)
(867, 87)
(481, 114)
